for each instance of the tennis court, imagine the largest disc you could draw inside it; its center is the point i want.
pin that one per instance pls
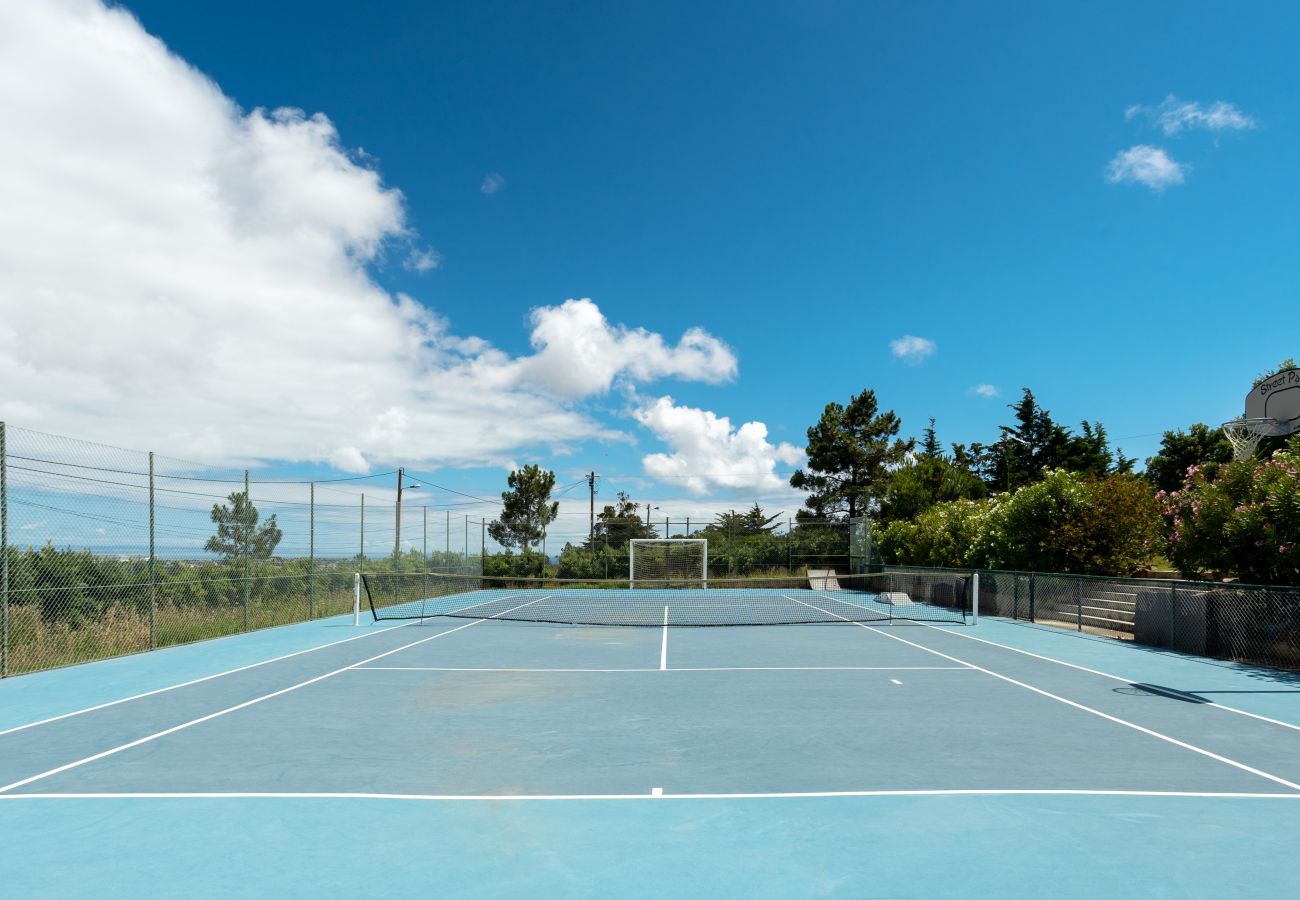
(489, 746)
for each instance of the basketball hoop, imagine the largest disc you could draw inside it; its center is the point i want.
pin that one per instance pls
(1245, 435)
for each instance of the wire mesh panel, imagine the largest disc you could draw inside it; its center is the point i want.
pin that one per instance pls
(876, 598)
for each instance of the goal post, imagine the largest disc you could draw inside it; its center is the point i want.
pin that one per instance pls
(669, 562)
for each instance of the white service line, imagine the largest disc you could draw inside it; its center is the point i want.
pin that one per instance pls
(896, 681)
(780, 795)
(172, 687)
(663, 649)
(1061, 662)
(1088, 709)
(238, 706)
(677, 669)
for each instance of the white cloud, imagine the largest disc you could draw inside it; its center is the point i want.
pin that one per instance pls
(180, 274)
(707, 453)
(983, 390)
(492, 182)
(422, 260)
(580, 353)
(1144, 164)
(1173, 116)
(912, 349)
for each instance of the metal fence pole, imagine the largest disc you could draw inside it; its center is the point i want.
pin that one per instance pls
(1173, 605)
(1078, 602)
(424, 552)
(1031, 596)
(153, 564)
(248, 528)
(447, 553)
(975, 599)
(311, 554)
(467, 540)
(482, 543)
(361, 560)
(4, 558)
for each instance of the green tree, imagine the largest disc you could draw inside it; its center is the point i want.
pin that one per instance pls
(924, 481)
(620, 523)
(1035, 444)
(237, 528)
(753, 521)
(850, 452)
(526, 508)
(1200, 445)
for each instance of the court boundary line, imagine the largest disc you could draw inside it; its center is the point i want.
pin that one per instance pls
(1061, 662)
(247, 703)
(1088, 709)
(194, 681)
(739, 795)
(675, 669)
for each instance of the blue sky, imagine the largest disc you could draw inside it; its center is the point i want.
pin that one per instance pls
(803, 183)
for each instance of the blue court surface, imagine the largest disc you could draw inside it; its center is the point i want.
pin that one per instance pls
(494, 757)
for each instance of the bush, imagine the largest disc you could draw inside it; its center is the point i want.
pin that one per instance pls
(1243, 519)
(942, 535)
(1068, 522)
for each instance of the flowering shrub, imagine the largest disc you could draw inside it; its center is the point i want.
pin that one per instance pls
(1244, 520)
(940, 536)
(1068, 522)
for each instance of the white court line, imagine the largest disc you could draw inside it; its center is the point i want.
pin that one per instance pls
(663, 650)
(778, 795)
(1088, 709)
(172, 687)
(896, 681)
(675, 669)
(1061, 662)
(238, 706)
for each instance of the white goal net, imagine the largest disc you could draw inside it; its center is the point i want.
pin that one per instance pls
(669, 562)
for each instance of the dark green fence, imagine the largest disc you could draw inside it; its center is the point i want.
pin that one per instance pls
(1256, 624)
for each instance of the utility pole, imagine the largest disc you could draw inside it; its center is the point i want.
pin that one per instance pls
(591, 485)
(397, 544)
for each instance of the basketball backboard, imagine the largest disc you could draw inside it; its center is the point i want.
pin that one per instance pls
(1277, 397)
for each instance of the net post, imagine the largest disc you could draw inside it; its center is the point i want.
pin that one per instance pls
(975, 599)
(356, 599)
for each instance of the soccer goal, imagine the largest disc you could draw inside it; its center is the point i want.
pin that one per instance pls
(669, 562)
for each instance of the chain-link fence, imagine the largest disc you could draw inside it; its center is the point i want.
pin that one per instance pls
(1255, 624)
(105, 551)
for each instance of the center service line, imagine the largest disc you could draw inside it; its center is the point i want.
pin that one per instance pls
(1088, 709)
(238, 706)
(663, 650)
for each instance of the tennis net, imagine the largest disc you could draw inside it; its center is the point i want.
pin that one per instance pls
(875, 598)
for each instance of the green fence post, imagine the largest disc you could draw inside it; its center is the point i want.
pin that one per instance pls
(248, 527)
(311, 555)
(153, 566)
(1173, 606)
(1031, 597)
(4, 558)
(1078, 602)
